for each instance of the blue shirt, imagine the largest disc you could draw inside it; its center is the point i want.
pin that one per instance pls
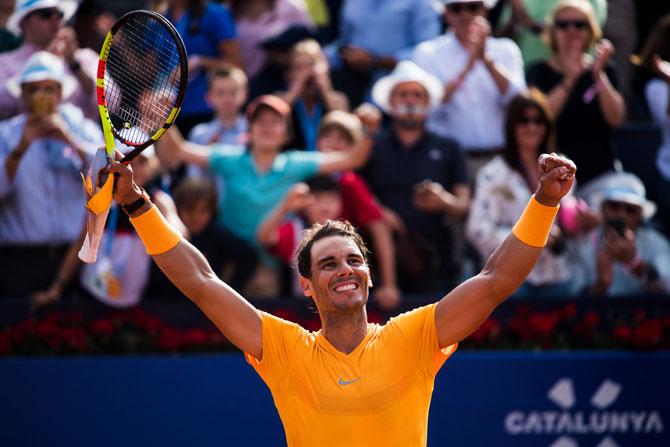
(44, 204)
(251, 195)
(385, 27)
(215, 26)
(213, 132)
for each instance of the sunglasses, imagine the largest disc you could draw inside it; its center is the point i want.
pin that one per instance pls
(47, 13)
(627, 208)
(472, 7)
(579, 25)
(526, 120)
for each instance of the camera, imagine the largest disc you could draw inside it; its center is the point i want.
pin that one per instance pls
(39, 104)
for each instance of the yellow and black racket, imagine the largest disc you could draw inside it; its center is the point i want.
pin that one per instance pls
(141, 81)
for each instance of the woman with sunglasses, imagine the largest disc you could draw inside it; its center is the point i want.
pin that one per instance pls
(505, 184)
(581, 90)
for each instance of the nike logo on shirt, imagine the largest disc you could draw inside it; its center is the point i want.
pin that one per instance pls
(348, 382)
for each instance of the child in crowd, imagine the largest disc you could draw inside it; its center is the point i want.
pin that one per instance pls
(226, 94)
(230, 257)
(341, 196)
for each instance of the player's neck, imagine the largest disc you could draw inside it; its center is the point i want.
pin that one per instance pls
(345, 331)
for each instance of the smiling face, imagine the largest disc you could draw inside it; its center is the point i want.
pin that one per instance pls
(340, 277)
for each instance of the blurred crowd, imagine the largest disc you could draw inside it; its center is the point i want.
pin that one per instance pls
(418, 121)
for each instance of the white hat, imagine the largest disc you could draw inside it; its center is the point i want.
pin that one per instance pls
(407, 71)
(43, 66)
(627, 188)
(24, 7)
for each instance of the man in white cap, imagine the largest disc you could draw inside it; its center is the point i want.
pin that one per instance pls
(40, 23)
(432, 193)
(623, 256)
(42, 153)
(481, 75)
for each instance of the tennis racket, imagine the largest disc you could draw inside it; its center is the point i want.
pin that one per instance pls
(141, 81)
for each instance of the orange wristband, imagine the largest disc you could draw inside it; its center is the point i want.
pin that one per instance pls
(156, 233)
(534, 225)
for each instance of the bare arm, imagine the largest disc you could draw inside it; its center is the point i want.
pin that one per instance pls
(296, 198)
(610, 101)
(173, 149)
(235, 317)
(356, 157)
(460, 312)
(188, 269)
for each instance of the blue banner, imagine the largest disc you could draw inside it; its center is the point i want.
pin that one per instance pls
(480, 399)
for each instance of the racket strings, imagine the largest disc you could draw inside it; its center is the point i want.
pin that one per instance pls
(142, 79)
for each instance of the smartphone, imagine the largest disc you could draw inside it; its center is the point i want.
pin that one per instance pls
(617, 225)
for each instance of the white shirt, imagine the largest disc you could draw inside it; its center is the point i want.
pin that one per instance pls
(657, 93)
(475, 114)
(501, 195)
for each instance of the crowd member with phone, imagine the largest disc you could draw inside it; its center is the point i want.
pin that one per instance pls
(42, 153)
(425, 204)
(42, 24)
(310, 92)
(622, 256)
(582, 90)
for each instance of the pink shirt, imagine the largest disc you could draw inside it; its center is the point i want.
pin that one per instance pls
(11, 64)
(251, 33)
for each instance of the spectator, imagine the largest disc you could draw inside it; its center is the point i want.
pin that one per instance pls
(524, 21)
(258, 20)
(40, 24)
(208, 31)
(8, 41)
(421, 179)
(257, 176)
(226, 94)
(655, 61)
(481, 75)
(41, 154)
(374, 36)
(121, 271)
(310, 93)
(91, 23)
(504, 186)
(231, 258)
(582, 90)
(278, 50)
(319, 200)
(340, 131)
(622, 256)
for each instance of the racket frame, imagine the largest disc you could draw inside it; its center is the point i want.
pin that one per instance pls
(108, 129)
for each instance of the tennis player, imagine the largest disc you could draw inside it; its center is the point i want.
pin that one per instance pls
(352, 383)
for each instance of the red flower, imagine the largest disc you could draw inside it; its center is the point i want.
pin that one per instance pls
(648, 334)
(170, 340)
(543, 324)
(195, 337)
(623, 332)
(489, 330)
(102, 327)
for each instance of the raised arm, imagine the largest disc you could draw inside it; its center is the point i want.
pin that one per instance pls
(460, 312)
(356, 157)
(188, 269)
(174, 149)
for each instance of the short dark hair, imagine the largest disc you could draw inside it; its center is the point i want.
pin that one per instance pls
(303, 254)
(192, 189)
